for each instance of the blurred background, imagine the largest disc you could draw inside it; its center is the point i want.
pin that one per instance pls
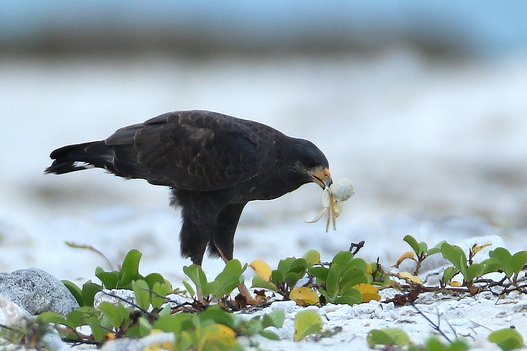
(423, 105)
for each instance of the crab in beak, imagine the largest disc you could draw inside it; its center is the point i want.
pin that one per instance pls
(333, 200)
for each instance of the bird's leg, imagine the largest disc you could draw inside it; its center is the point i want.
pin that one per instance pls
(222, 243)
(244, 291)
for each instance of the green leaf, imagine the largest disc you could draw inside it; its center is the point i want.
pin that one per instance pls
(349, 299)
(229, 278)
(98, 331)
(269, 335)
(134, 331)
(519, 260)
(210, 288)
(75, 291)
(160, 291)
(291, 278)
(185, 341)
(218, 315)
(433, 344)
(306, 323)
(507, 339)
(142, 293)
(144, 326)
(196, 274)
(298, 266)
(111, 313)
(332, 282)
(342, 258)
(89, 289)
(110, 280)
(81, 316)
(349, 271)
(250, 327)
(511, 264)
(505, 258)
(283, 266)
(226, 283)
(387, 336)
(124, 314)
(153, 278)
(312, 257)
(435, 249)
(130, 268)
(189, 289)
(321, 273)
(359, 264)
(324, 293)
(351, 292)
(277, 277)
(76, 319)
(259, 282)
(413, 244)
(456, 256)
(354, 275)
(448, 274)
(492, 265)
(176, 323)
(273, 319)
(474, 271)
(234, 268)
(422, 248)
(352, 278)
(52, 317)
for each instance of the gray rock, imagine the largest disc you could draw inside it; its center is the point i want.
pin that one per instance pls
(10, 313)
(14, 316)
(116, 297)
(37, 291)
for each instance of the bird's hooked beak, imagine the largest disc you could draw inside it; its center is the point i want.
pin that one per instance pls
(322, 177)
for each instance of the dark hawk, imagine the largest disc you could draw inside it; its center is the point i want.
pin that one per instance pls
(213, 163)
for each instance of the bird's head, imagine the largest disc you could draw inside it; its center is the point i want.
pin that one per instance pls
(313, 164)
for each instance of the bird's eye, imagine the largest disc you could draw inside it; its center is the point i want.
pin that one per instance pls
(311, 163)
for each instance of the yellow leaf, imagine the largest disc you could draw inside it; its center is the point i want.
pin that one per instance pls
(312, 257)
(219, 333)
(455, 284)
(262, 269)
(368, 268)
(307, 323)
(369, 292)
(413, 278)
(304, 296)
(404, 256)
(475, 249)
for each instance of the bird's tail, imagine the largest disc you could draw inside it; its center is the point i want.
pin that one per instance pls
(81, 156)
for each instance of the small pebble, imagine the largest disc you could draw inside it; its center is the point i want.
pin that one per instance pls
(286, 306)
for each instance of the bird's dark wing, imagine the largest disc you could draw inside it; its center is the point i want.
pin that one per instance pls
(191, 150)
